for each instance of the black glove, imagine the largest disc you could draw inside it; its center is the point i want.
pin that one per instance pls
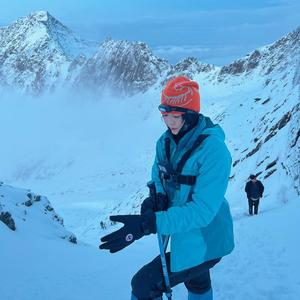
(135, 227)
(160, 203)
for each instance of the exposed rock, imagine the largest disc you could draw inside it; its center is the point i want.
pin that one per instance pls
(7, 219)
(37, 198)
(260, 163)
(266, 101)
(254, 150)
(102, 225)
(236, 162)
(235, 68)
(279, 125)
(270, 173)
(49, 207)
(72, 239)
(272, 164)
(257, 174)
(296, 139)
(28, 203)
(189, 67)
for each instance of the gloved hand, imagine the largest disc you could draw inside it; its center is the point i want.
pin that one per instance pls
(135, 227)
(160, 203)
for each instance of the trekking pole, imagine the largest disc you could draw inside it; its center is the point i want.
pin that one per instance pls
(162, 246)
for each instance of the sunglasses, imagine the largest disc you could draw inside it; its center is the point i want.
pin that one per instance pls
(166, 109)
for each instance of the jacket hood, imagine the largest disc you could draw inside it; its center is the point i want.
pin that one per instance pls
(212, 129)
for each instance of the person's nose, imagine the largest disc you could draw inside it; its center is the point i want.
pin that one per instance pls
(172, 121)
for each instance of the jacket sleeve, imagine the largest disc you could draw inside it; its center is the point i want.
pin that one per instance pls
(262, 188)
(247, 188)
(207, 196)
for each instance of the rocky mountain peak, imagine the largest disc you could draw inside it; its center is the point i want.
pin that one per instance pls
(274, 57)
(36, 51)
(191, 66)
(124, 66)
(40, 16)
(291, 40)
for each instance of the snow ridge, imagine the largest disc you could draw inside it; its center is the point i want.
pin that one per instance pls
(30, 214)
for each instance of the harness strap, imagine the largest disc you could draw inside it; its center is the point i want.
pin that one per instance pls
(188, 153)
(178, 178)
(168, 149)
(175, 175)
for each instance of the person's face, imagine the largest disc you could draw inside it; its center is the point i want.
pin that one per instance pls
(174, 122)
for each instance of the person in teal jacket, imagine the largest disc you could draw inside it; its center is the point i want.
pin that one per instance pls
(191, 173)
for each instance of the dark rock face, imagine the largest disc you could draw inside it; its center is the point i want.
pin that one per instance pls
(7, 219)
(235, 68)
(272, 164)
(28, 203)
(190, 67)
(253, 60)
(242, 65)
(258, 146)
(277, 56)
(270, 173)
(72, 239)
(296, 139)
(279, 125)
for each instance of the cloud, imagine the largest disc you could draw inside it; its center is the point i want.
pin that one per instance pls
(171, 49)
(218, 55)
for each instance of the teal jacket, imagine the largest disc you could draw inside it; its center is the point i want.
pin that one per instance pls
(198, 219)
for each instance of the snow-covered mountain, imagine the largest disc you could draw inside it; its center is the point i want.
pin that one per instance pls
(30, 214)
(266, 89)
(39, 54)
(122, 66)
(36, 52)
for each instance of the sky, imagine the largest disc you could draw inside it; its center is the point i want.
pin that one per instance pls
(213, 31)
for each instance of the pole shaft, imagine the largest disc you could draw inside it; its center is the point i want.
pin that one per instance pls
(162, 247)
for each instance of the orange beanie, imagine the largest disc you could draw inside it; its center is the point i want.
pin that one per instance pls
(181, 92)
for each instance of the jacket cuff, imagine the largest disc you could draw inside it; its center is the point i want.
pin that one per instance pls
(149, 222)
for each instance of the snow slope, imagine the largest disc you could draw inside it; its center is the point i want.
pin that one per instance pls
(264, 265)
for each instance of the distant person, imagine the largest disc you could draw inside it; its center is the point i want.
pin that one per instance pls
(254, 189)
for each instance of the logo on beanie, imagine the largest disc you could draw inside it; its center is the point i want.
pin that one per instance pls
(179, 100)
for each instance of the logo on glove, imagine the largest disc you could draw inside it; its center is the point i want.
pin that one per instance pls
(129, 237)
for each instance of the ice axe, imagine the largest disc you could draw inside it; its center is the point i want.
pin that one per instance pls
(162, 245)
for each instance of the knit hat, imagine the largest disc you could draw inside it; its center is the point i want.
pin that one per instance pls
(182, 94)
